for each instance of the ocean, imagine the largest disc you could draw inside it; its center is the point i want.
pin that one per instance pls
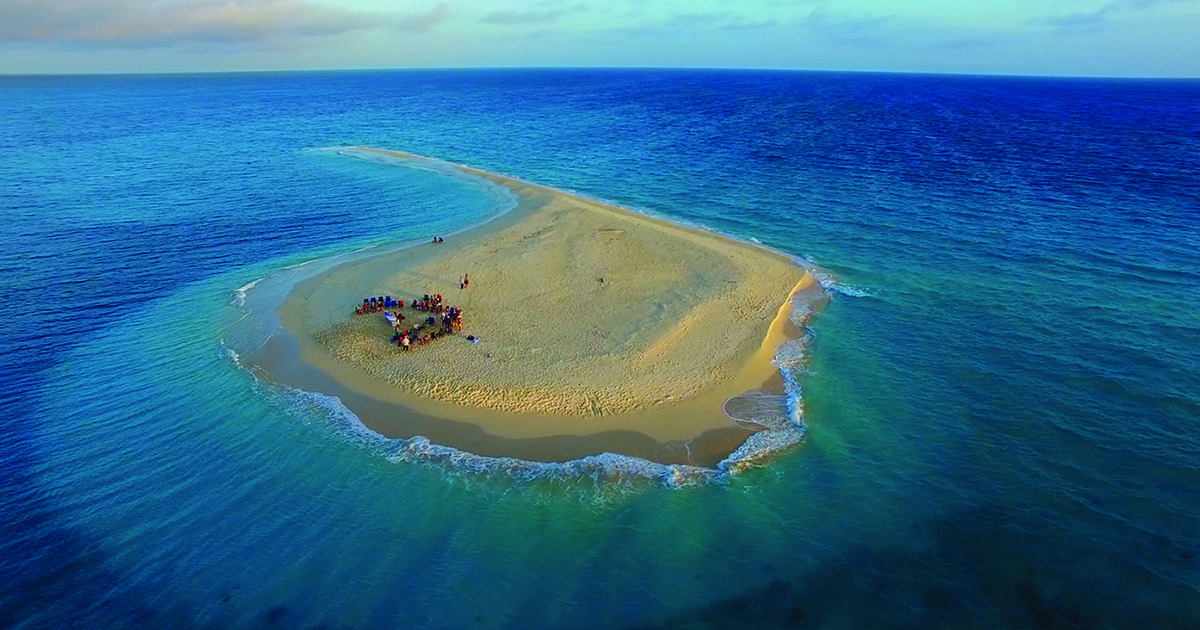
(1000, 400)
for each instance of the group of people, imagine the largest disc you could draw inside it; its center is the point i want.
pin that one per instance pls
(452, 319)
(444, 320)
(438, 239)
(377, 305)
(429, 304)
(418, 334)
(451, 315)
(421, 334)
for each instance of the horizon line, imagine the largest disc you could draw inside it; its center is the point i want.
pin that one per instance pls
(597, 68)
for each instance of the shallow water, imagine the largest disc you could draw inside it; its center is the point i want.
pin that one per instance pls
(1001, 399)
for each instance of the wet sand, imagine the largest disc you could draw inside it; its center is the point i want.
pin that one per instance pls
(602, 330)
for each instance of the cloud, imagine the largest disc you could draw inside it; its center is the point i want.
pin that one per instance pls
(548, 13)
(169, 22)
(1075, 22)
(864, 30)
(963, 43)
(1092, 21)
(749, 26)
(1134, 5)
(422, 22)
(721, 20)
(817, 23)
(724, 21)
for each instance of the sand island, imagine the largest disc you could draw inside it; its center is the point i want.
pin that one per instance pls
(600, 330)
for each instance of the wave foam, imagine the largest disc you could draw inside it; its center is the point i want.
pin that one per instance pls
(606, 467)
(232, 354)
(831, 283)
(760, 448)
(239, 296)
(792, 353)
(766, 410)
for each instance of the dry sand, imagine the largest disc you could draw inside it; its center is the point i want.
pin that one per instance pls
(592, 319)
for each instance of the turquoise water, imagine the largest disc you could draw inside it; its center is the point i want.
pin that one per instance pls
(1000, 399)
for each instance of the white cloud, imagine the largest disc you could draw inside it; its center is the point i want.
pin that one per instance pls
(167, 22)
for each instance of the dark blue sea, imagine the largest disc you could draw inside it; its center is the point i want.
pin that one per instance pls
(1001, 399)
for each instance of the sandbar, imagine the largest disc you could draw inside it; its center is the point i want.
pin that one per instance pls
(600, 329)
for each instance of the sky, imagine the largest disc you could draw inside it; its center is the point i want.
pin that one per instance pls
(1140, 38)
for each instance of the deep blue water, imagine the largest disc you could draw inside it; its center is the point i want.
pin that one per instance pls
(1002, 400)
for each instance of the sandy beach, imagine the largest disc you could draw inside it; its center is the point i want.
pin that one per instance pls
(592, 320)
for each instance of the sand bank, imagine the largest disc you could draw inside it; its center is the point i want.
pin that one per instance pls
(594, 321)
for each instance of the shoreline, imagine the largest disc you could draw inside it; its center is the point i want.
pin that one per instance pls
(318, 350)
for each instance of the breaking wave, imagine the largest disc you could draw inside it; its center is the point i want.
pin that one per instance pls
(833, 284)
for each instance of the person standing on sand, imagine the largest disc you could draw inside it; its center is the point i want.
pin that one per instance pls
(466, 280)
